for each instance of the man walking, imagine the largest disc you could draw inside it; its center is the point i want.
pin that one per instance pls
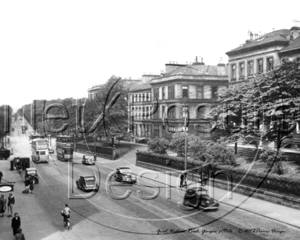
(20, 235)
(2, 205)
(1, 175)
(16, 223)
(10, 204)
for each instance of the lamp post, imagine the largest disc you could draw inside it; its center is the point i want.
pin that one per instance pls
(185, 146)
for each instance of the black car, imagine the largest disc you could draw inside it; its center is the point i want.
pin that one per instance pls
(198, 198)
(4, 153)
(124, 174)
(31, 174)
(87, 183)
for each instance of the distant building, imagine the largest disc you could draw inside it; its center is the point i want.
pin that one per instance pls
(162, 103)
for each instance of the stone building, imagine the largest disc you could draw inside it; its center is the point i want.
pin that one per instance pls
(184, 90)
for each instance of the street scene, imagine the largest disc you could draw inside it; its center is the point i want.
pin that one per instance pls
(104, 136)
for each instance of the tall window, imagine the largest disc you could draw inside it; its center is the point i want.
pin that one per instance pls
(260, 66)
(171, 112)
(270, 63)
(242, 70)
(148, 97)
(200, 92)
(140, 98)
(156, 131)
(163, 92)
(156, 93)
(185, 112)
(171, 92)
(214, 92)
(233, 71)
(250, 68)
(185, 91)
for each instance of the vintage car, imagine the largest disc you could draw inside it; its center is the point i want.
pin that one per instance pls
(124, 174)
(87, 183)
(31, 173)
(4, 153)
(198, 198)
(90, 160)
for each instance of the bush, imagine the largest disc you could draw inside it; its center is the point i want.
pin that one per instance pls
(177, 143)
(158, 145)
(273, 159)
(219, 153)
(198, 148)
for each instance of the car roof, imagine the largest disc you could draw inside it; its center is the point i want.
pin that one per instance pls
(120, 168)
(88, 177)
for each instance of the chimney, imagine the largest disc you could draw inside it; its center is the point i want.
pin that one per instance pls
(198, 63)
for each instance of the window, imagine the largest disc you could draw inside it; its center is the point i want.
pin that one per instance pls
(259, 66)
(185, 91)
(202, 112)
(233, 71)
(143, 97)
(171, 112)
(242, 70)
(250, 68)
(155, 114)
(200, 92)
(156, 93)
(148, 97)
(270, 63)
(140, 98)
(214, 92)
(156, 131)
(163, 93)
(185, 111)
(171, 92)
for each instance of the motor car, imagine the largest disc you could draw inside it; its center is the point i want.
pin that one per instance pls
(87, 183)
(124, 174)
(32, 174)
(4, 153)
(90, 160)
(197, 198)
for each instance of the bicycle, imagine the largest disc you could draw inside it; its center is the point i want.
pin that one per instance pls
(67, 223)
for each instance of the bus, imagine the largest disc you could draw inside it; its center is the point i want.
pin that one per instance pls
(64, 147)
(36, 136)
(39, 150)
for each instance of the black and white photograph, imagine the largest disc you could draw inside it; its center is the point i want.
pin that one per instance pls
(155, 120)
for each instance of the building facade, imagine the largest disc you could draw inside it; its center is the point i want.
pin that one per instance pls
(182, 96)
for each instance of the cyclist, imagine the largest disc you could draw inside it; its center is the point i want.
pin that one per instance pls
(66, 215)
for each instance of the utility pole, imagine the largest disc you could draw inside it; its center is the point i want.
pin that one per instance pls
(185, 147)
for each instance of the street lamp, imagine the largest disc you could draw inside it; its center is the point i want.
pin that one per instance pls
(185, 129)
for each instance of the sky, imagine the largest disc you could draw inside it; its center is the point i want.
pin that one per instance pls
(60, 49)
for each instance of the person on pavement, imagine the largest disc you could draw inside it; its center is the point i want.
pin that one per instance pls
(16, 223)
(183, 177)
(2, 205)
(19, 235)
(67, 211)
(10, 204)
(31, 186)
(1, 175)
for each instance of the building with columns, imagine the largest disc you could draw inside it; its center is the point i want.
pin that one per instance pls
(182, 90)
(260, 54)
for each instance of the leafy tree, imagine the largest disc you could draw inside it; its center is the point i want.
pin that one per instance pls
(219, 153)
(267, 107)
(158, 145)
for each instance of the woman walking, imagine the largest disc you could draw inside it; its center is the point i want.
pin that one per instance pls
(2, 205)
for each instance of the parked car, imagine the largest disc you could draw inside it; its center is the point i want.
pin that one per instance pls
(87, 183)
(90, 160)
(291, 148)
(4, 153)
(198, 198)
(32, 174)
(124, 174)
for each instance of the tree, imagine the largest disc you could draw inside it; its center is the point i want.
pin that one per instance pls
(158, 145)
(267, 107)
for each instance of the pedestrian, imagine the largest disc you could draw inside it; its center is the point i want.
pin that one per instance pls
(16, 223)
(31, 186)
(20, 235)
(183, 177)
(2, 205)
(1, 175)
(10, 204)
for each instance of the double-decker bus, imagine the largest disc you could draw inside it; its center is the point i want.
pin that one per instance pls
(64, 147)
(39, 150)
(36, 136)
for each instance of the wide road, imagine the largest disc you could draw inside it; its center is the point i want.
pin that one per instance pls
(100, 216)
